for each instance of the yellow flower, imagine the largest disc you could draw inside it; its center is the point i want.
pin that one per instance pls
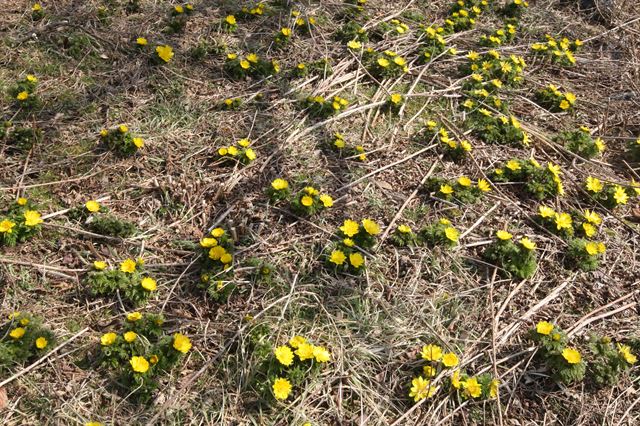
(230, 19)
(354, 44)
(217, 232)
(207, 242)
(446, 189)
(431, 352)
(546, 212)
(337, 257)
(6, 226)
(41, 343)
(279, 184)
(513, 165)
(92, 206)
(178, 9)
(571, 355)
(483, 185)
(99, 265)
(22, 95)
(123, 128)
(141, 41)
(450, 360)
(148, 284)
(472, 388)
(296, 341)
(464, 181)
(591, 248)
(564, 105)
(285, 31)
(108, 339)
(593, 184)
(563, 221)
(327, 201)
(31, 78)
(181, 343)
(139, 364)
(244, 142)
(600, 144)
(493, 388)
(383, 62)
(165, 52)
(231, 56)
(444, 221)
(503, 235)
(421, 389)
(128, 266)
(429, 371)
(130, 336)
(396, 98)
(570, 97)
(281, 388)
(592, 217)
(36, 7)
(350, 228)
(250, 154)
(452, 234)
(22, 201)
(371, 227)
(304, 351)
(138, 142)
(217, 252)
(104, 133)
(306, 201)
(348, 242)
(17, 333)
(226, 258)
(527, 243)
(589, 229)
(134, 316)
(544, 328)
(284, 355)
(404, 229)
(32, 218)
(455, 379)
(356, 260)
(620, 195)
(625, 352)
(321, 354)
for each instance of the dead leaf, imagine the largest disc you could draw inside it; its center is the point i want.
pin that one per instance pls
(4, 401)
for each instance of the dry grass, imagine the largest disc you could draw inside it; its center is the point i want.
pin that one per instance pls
(375, 324)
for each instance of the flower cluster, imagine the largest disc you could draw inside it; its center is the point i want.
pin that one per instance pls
(178, 16)
(97, 218)
(433, 43)
(352, 31)
(283, 36)
(453, 150)
(128, 281)
(141, 352)
(393, 27)
(610, 195)
(565, 362)
(499, 36)
(338, 142)
(250, 65)
(492, 65)
(217, 261)
(302, 25)
(514, 9)
(346, 255)
(387, 64)
(120, 140)
(540, 182)
(440, 233)
(23, 92)
(310, 201)
(463, 15)
(561, 52)
(19, 138)
(518, 259)
(321, 67)
(320, 107)
(248, 12)
(19, 223)
(231, 104)
(581, 143)
(584, 254)
(229, 24)
(292, 363)
(499, 129)
(37, 13)
(462, 190)
(241, 152)
(555, 100)
(23, 338)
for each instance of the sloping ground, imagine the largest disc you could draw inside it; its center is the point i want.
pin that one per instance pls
(92, 76)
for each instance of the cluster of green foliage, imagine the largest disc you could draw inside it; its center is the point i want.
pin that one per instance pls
(19, 223)
(609, 362)
(387, 64)
(310, 201)
(102, 222)
(216, 276)
(514, 9)
(319, 107)
(178, 17)
(441, 233)
(346, 254)
(452, 150)
(499, 37)
(463, 14)
(120, 140)
(540, 182)
(515, 258)
(432, 43)
(241, 153)
(339, 144)
(23, 93)
(560, 52)
(18, 137)
(491, 65)
(142, 343)
(132, 285)
(498, 129)
(565, 363)
(584, 254)
(555, 100)
(580, 142)
(634, 149)
(23, 338)
(352, 30)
